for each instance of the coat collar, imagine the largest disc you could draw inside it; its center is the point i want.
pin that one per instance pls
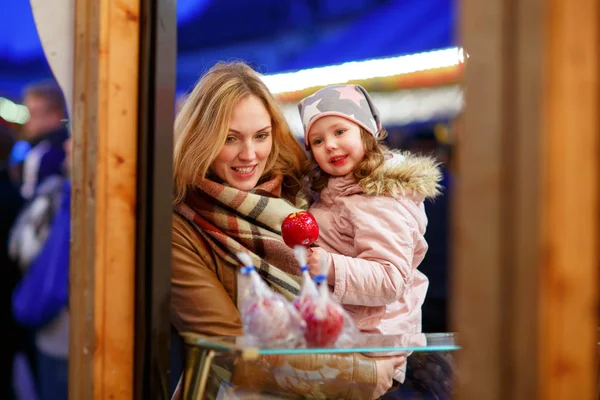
(403, 174)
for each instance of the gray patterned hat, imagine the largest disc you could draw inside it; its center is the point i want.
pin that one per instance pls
(348, 101)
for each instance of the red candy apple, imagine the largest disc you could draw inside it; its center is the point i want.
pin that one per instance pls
(324, 322)
(299, 228)
(268, 319)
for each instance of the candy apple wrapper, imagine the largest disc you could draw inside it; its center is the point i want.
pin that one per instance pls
(350, 333)
(267, 317)
(308, 288)
(327, 323)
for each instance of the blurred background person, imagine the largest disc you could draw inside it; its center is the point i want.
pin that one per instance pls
(41, 183)
(43, 169)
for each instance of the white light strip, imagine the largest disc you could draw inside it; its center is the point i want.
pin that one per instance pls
(11, 112)
(358, 70)
(401, 107)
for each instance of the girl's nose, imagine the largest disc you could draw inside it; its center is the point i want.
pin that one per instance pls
(331, 144)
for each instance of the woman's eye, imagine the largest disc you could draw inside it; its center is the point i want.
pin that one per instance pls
(262, 136)
(230, 139)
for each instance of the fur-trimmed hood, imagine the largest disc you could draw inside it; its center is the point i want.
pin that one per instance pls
(403, 174)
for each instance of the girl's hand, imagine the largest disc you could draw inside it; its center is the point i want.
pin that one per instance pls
(314, 263)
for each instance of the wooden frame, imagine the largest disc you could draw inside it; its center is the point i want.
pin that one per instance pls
(104, 199)
(155, 160)
(526, 226)
(526, 219)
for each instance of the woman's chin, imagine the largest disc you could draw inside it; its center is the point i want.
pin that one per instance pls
(245, 184)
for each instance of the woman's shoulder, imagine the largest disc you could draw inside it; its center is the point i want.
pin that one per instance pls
(180, 224)
(183, 233)
(187, 243)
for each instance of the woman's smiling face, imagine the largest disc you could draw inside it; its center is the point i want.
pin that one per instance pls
(242, 160)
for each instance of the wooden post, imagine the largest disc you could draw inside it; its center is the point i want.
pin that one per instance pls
(103, 251)
(158, 44)
(569, 265)
(526, 207)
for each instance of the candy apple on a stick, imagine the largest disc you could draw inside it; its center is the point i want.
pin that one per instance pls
(299, 228)
(268, 318)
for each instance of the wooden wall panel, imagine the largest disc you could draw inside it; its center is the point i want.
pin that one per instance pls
(104, 202)
(526, 228)
(84, 188)
(568, 271)
(477, 275)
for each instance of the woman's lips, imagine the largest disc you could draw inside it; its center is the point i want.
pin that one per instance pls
(244, 172)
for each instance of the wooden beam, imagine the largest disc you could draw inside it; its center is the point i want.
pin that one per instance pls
(526, 226)
(105, 129)
(158, 45)
(569, 265)
(477, 228)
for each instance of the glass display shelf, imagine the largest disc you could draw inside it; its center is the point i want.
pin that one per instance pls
(202, 351)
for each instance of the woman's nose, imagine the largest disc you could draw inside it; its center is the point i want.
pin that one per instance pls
(247, 153)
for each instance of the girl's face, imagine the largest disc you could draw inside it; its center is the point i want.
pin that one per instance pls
(242, 160)
(336, 145)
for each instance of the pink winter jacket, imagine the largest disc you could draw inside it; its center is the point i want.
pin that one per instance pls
(374, 231)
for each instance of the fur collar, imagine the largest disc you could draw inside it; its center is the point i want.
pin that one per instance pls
(403, 174)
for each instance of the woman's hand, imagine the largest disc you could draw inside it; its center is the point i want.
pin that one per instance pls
(386, 367)
(315, 254)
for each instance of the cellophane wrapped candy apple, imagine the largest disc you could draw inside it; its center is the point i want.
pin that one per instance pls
(327, 323)
(299, 228)
(268, 318)
(308, 290)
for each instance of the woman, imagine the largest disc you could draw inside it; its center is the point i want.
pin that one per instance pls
(236, 176)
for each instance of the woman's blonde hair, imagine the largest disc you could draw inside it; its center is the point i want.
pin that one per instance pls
(202, 125)
(375, 152)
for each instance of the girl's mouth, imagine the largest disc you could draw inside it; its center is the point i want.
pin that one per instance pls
(338, 160)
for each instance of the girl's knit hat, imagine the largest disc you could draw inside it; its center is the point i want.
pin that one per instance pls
(348, 101)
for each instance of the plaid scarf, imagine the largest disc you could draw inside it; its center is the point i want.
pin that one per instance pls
(231, 220)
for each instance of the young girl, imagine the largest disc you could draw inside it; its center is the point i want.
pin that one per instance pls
(370, 211)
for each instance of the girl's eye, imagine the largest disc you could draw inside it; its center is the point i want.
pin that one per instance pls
(340, 132)
(317, 142)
